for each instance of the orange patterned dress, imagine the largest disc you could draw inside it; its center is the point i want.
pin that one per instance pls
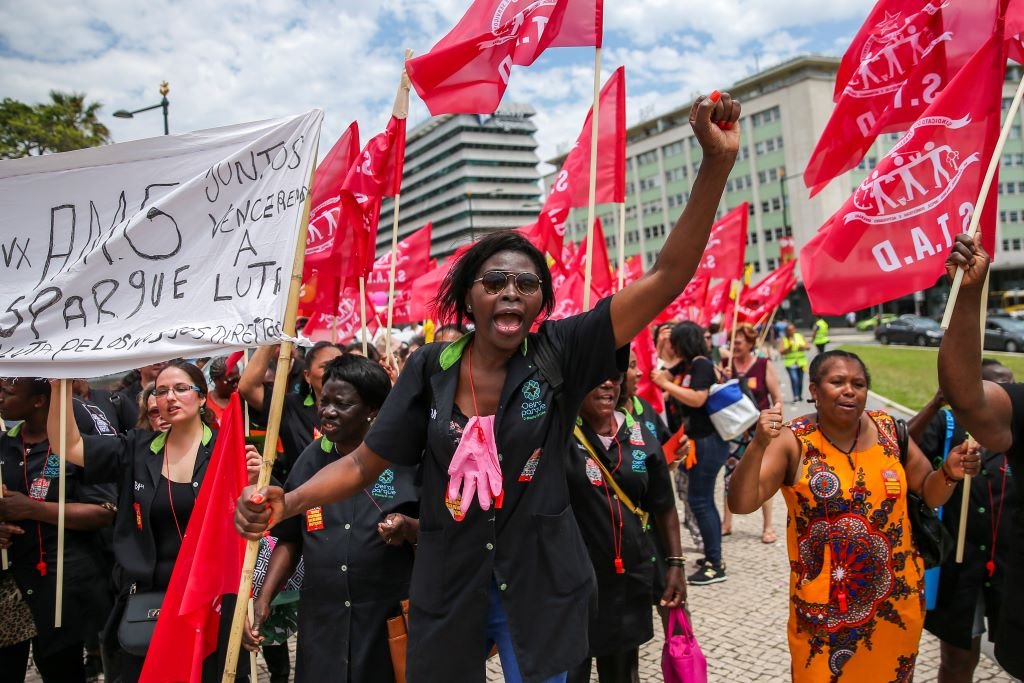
(857, 581)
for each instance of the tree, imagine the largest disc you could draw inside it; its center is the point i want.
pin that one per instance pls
(63, 124)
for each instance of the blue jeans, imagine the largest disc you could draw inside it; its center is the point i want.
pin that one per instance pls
(796, 380)
(712, 453)
(498, 634)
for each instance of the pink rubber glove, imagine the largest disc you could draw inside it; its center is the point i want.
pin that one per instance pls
(474, 468)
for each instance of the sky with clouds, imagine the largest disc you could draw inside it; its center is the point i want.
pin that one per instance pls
(243, 60)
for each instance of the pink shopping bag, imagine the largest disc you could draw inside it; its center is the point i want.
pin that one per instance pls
(681, 659)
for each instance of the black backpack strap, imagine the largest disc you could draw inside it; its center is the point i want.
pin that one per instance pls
(548, 362)
(902, 439)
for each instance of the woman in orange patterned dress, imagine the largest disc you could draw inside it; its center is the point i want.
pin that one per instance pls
(857, 580)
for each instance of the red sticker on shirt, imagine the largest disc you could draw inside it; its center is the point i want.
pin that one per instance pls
(530, 469)
(315, 519)
(892, 484)
(39, 488)
(138, 515)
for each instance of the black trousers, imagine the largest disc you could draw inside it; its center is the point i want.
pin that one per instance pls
(619, 667)
(63, 666)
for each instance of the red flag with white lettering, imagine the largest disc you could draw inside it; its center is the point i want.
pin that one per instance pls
(325, 200)
(910, 54)
(687, 305)
(572, 184)
(757, 301)
(340, 318)
(634, 269)
(727, 246)
(568, 297)
(892, 236)
(413, 261)
(601, 274)
(646, 358)
(717, 303)
(468, 70)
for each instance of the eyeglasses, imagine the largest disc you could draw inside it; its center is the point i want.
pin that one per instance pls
(495, 282)
(178, 389)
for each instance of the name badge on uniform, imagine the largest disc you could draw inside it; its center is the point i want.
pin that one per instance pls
(315, 519)
(39, 488)
(594, 473)
(530, 468)
(752, 383)
(892, 484)
(454, 506)
(138, 515)
(686, 381)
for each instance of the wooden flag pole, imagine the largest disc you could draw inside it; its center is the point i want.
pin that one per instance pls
(993, 166)
(622, 245)
(3, 553)
(592, 192)
(61, 502)
(735, 318)
(362, 312)
(965, 494)
(280, 388)
(253, 673)
(399, 111)
(767, 327)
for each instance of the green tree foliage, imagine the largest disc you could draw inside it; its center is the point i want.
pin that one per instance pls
(64, 123)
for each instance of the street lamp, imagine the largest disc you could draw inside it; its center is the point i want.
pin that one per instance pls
(164, 104)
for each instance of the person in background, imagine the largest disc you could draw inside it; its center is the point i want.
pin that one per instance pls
(225, 382)
(342, 623)
(993, 414)
(763, 384)
(356, 348)
(686, 386)
(856, 577)
(632, 569)
(159, 475)
(28, 509)
(120, 415)
(851, 319)
(968, 593)
(299, 421)
(449, 332)
(138, 379)
(150, 417)
(663, 346)
(820, 338)
(793, 348)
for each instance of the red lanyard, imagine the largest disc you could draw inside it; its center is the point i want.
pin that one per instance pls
(41, 565)
(616, 537)
(997, 515)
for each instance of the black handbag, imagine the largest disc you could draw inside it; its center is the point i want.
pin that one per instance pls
(138, 622)
(933, 540)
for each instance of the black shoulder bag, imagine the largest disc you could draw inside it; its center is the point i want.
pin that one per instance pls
(933, 540)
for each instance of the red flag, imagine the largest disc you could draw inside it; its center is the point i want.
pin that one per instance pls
(646, 357)
(572, 184)
(468, 70)
(910, 54)
(717, 302)
(569, 297)
(413, 261)
(757, 302)
(325, 200)
(209, 564)
(339, 318)
(601, 274)
(727, 246)
(634, 269)
(1014, 29)
(425, 288)
(687, 305)
(787, 249)
(892, 236)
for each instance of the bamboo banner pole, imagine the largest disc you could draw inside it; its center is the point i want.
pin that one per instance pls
(993, 166)
(767, 327)
(399, 111)
(965, 494)
(270, 439)
(592, 192)
(61, 501)
(253, 673)
(735, 317)
(4, 564)
(622, 244)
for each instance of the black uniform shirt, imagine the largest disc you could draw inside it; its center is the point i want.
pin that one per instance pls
(636, 461)
(35, 474)
(530, 548)
(1010, 633)
(134, 461)
(353, 581)
(300, 425)
(120, 413)
(698, 376)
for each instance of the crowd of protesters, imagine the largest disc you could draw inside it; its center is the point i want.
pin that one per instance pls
(517, 490)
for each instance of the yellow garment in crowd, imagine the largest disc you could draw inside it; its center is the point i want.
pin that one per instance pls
(857, 581)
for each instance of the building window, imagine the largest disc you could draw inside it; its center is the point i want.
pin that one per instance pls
(753, 237)
(776, 204)
(672, 150)
(647, 158)
(1006, 245)
(771, 264)
(766, 207)
(757, 267)
(1016, 243)
(765, 117)
(751, 210)
(778, 233)
(675, 174)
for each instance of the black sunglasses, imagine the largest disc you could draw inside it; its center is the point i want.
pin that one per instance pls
(495, 282)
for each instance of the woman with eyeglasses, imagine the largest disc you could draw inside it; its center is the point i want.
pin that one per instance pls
(159, 474)
(488, 418)
(149, 411)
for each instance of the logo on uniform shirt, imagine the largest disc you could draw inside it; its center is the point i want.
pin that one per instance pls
(384, 488)
(530, 469)
(454, 506)
(593, 472)
(636, 437)
(99, 420)
(317, 434)
(315, 519)
(139, 486)
(892, 484)
(639, 460)
(138, 514)
(651, 427)
(533, 407)
(52, 468)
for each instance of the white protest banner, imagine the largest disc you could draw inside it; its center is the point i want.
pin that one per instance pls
(120, 256)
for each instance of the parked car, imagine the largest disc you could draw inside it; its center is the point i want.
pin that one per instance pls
(910, 329)
(874, 321)
(1004, 333)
